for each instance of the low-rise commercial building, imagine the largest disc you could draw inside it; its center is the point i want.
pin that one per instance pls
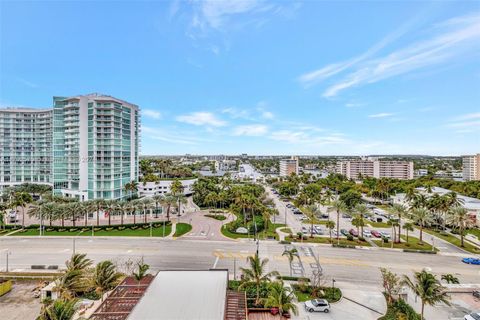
(162, 187)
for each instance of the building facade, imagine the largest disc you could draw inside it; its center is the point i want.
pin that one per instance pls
(471, 167)
(95, 146)
(288, 166)
(375, 168)
(162, 187)
(25, 146)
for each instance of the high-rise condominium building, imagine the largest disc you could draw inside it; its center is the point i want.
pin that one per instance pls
(471, 167)
(288, 166)
(376, 168)
(25, 146)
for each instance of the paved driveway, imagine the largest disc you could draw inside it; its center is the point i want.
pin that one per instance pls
(204, 228)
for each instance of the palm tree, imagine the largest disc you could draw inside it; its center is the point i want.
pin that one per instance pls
(428, 288)
(399, 210)
(88, 207)
(280, 297)
(60, 309)
(169, 201)
(176, 187)
(110, 207)
(338, 206)
(141, 272)
(330, 225)
(211, 198)
(157, 199)
(105, 277)
(266, 215)
(312, 211)
(100, 204)
(130, 187)
(460, 219)
(123, 207)
(256, 274)
(146, 204)
(421, 216)
(362, 211)
(408, 226)
(450, 278)
(291, 254)
(21, 199)
(181, 199)
(78, 262)
(74, 209)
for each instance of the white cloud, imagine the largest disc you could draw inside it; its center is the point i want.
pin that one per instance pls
(354, 104)
(307, 138)
(236, 113)
(27, 83)
(381, 115)
(160, 135)
(151, 114)
(470, 116)
(253, 130)
(459, 38)
(201, 119)
(267, 115)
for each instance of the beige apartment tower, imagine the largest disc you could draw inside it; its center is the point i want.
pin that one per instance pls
(471, 167)
(288, 166)
(353, 169)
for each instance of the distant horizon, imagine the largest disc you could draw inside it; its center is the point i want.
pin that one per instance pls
(306, 155)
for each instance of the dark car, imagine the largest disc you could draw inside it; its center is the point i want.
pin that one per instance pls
(344, 232)
(471, 261)
(353, 232)
(476, 294)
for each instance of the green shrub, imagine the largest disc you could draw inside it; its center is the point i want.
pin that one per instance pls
(361, 239)
(349, 237)
(292, 278)
(385, 239)
(285, 242)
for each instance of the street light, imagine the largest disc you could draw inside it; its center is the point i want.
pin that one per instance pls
(333, 285)
(433, 243)
(7, 253)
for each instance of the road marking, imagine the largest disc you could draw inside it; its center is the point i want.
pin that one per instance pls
(216, 261)
(64, 250)
(128, 251)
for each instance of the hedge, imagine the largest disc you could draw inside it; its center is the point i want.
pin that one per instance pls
(95, 228)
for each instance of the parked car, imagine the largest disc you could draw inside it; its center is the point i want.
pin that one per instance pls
(476, 294)
(324, 216)
(367, 234)
(385, 234)
(472, 316)
(344, 232)
(346, 216)
(334, 232)
(471, 261)
(376, 234)
(318, 305)
(353, 232)
(296, 211)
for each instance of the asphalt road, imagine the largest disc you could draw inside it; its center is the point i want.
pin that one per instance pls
(352, 265)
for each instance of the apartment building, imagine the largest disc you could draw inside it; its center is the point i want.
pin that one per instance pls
(25, 146)
(376, 168)
(471, 167)
(288, 166)
(95, 146)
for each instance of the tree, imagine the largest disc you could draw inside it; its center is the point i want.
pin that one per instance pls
(176, 187)
(426, 286)
(256, 274)
(351, 198)
(421, 216)
(74, 209)
(100, 204)
(157, 199)
(330, 225)
(140, 272)
(450, 278)
(78, 262)
(280, 297)
(211, 198)
(169, 201)
(361, 211)
(181, 199)
(123, 207)
(338, 206)
(60, 309)
(390, 282)
(399, 210)
(21, 199)
(460, 219)
(290, 254)
(105, 277)
(146, 203)
(408, 226)
(312, 211)
(110, 207)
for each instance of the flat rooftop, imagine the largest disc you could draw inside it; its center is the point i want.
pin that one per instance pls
(182, 295)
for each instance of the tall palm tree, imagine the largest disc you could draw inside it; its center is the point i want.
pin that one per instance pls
(157, 199)
(408, 226)
(281, 297)
(361, 211)
(291, 255)
(176, 187)
(74, 209)
(123, 207)
(312, 211)
(450, 278)
(461, 220)
(110, 207)
(105, 277)
(88, 207)
(78, 261)
(421, 216)
(338, 206)
(399, 210)
(100, 204)
(426, 286)
(146, 203)
(169, 201)
(256, 274)
(330, 225)
(181, 199)
(21, 199)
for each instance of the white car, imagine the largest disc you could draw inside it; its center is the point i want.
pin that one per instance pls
(317, 305)
(385, 234)
(367, 234)
(472, 316)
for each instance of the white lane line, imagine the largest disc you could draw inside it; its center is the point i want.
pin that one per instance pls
(216, 261)
(128, 251)
(64, 250)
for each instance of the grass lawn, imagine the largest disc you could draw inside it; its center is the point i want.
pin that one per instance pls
(219, 217)
(182, 228)
(315, 221)
(342, 241)
(475, 232)
(304, 293)
(413, 243)
(270, 233)
(140, 232)
(453, 240)
(286, 230)
(232, 235)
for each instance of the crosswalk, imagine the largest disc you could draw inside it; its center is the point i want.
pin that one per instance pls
(232, 254)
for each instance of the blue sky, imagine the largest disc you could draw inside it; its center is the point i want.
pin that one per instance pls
(259, 77)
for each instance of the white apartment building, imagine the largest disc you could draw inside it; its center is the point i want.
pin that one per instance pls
(25, 146)
(162, 187)
(352, 169)
(288, 166)
(95, 146)
(471, 167)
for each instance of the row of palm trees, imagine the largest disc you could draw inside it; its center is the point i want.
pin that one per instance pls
(54, 209)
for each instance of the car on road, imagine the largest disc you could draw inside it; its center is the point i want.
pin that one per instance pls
(376, 234)
(476, 294)
(346, 216)
(471, 261)
(367, 234)
(317, 305)
(344, 232)
(385, 234)
(296, 211)
(353, 232)
(472, 316)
